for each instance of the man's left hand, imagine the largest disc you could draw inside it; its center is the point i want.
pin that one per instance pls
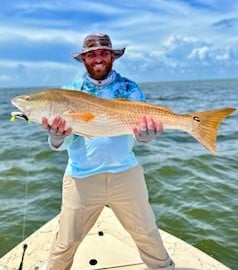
(147, 129)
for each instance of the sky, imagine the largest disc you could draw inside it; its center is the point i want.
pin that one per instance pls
(165, 40)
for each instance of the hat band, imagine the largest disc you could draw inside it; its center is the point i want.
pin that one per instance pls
(99, 42)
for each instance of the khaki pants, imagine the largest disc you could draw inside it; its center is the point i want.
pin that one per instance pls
(126, 194)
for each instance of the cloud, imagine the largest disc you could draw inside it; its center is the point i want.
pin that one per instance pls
(44, 73)
(181, 57)
(4, 78)
(165, 40)
(201, 53)
(14, 33)
(226, 23)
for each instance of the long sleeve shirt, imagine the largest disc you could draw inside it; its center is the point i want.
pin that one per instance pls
(89, 156)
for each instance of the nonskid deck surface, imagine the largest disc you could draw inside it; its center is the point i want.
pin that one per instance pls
(107, 246)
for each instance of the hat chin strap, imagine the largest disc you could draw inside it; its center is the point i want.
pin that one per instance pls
(103, 82)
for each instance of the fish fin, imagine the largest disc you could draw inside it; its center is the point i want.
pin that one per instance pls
(85, 117)
(205, 126)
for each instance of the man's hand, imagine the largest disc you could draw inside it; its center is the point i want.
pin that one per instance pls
(56, 131)
(147, 129)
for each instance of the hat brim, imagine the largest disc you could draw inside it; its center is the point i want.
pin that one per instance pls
(117, 52)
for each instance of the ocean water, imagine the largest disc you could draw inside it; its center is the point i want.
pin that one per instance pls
(194, 194)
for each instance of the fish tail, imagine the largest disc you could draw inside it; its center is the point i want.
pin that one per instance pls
(205, 126)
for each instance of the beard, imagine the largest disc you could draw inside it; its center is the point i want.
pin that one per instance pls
(99, 71)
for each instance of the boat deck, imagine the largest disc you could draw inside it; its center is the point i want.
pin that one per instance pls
(107, 246)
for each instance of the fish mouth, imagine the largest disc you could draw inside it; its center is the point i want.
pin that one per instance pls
(19, 115)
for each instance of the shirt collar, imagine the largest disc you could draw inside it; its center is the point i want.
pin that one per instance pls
(99, 83)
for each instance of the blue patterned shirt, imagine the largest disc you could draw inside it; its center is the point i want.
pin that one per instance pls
(89, 156)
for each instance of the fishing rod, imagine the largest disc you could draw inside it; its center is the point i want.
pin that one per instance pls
(22, 258)
(25, 205)
(24, 225)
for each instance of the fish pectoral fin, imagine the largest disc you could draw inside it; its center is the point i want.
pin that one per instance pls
(81, 117)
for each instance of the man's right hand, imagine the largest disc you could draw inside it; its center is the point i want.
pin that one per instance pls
(56, 130)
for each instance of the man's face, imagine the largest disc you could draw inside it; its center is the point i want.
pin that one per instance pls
(98, 63)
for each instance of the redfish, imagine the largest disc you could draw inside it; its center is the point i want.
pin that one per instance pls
(91, 116)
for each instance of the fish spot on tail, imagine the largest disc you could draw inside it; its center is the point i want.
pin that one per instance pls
(196, 118)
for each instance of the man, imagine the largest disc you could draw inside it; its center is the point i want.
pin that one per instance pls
(104, 170)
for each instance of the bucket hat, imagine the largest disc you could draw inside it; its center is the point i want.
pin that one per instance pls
(97, 41)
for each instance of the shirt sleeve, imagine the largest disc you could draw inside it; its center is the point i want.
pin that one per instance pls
(67, 141)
